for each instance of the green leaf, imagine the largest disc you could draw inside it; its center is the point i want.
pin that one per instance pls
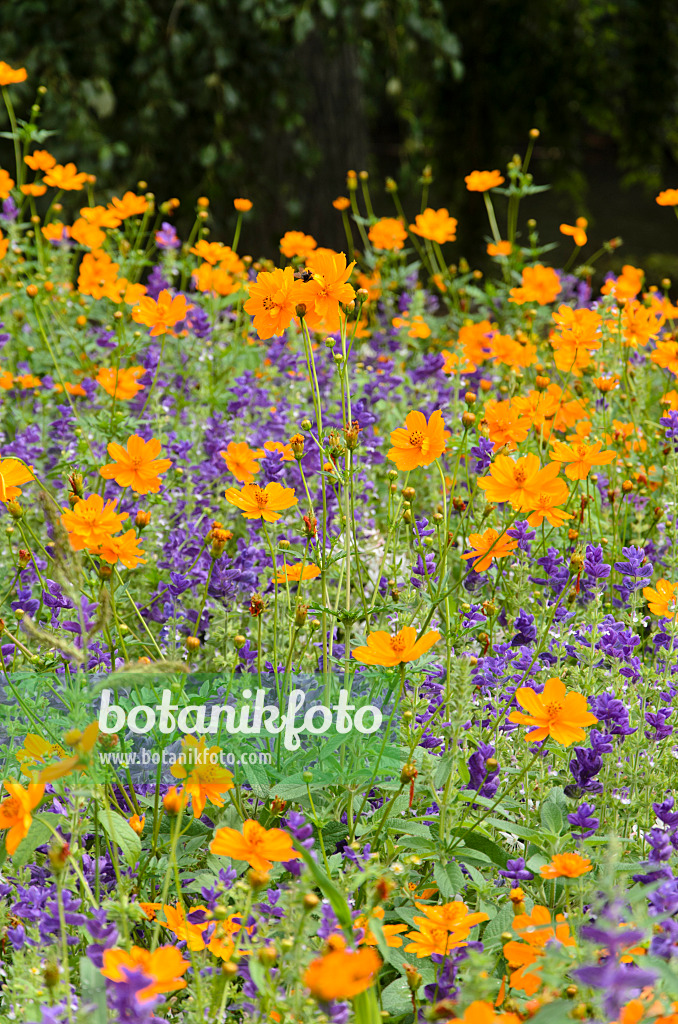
(93, 991)
(449, 879)
(38, 835)
(500, 923)
(557, 1012)
(551, 817)
(120, 832)
(396, 998)
(258, 779)
(328, 888)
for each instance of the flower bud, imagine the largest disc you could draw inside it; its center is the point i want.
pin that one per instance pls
(468, 419)
(306, 424)
(267, 955)
(192, 644)
(258, 879)
(300, 615)
(142, 519)
(301, 310)
(15, 510)
(174, 801)
(256, 605)
(409, 773)
(311, 901)
(239, 641)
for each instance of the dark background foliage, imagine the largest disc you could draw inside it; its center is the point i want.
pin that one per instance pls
(276, 100)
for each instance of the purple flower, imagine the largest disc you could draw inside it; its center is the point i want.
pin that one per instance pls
(526, 629)
(583, 820)
(482, 453)
(166, 237)
(523, 534)
(620, 982)
(516, 871)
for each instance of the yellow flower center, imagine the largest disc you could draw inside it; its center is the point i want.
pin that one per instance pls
(580, 449)
(519, 475)
(260, 497)
(11, 807)
(416, 439)
(553, 710)
(398, 644)
(268, 303)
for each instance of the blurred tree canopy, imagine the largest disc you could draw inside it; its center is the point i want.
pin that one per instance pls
(275, 100)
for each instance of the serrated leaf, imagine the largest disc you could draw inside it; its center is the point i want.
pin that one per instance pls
(448, 878)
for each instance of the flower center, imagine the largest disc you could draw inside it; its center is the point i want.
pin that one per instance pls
(519, 475)
(398, 643)
(11, 807)
(416, 439)
(260, 497)
(553, 710)
(581, 451)
(268, 303)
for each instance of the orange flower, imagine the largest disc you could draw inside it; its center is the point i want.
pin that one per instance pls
(130, 205)
(295, 573)
(40, 160)
(284, 449)
(90, 523)
(436, 225)
(220, 944)
(577, 232)
(501, 248)
(581, 458)
(137, 824)
(35, 188)
(15, 811)
(137, 466)
(505, 424)
(626, 286)
(482, 181)
(566, 865)
(662, 601)
(66, 177)
(543, 505)
(160, 315)
(390, 931)
(341, 203)
(242, 205)
(82, 744)
(262, 502)
(342, 974)
(121, 383)
(87, 234)
(255, 844)
(273, 300)
(97, 273)
(211, 252)
(100, 216)
(535, 931)
(669, 197)
(540, 284)
(554, 712)
(402, 647)
(442, 929)
(205, 778)
(388, 233)
(666, 356)
(326, 289)
(6, 184)
(487, 546)
(519, 481)
(296, 243)
(418, 443)
(479, 1012)
(240, 459)
(123, 549)
(640, 323)
(163, 967)
(10, 75)
(35, 751)
(12, 474)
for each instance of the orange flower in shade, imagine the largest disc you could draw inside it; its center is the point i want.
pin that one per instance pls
(295, 573)
(242, 205)
(273, 300)
(130, 205)
(501, 248)
(577, 231)
(12, 474)
(200, 766)
(540, 284)
(326, 289)
(10, 75)
(15, 811)
(402, 647)
(66, 177)
(6, 184)
(442, 928)
(121, 383)
(517, 481)
(342, 973)
(160, 316)
(487, 546)
(137, 466)
(566, 865)
(388, 233)
(137, 824)
(123, 549)
(436, 225)
(580, 458)
(482, 181)
(163, 967)
(341, 203)
(262, 502)
(535, 931)
(666, 356)
(669, 197)
(240, 459)
(220, 944)
(554, 712)
(257, 845)
(296, 243)
(506, 425)
(35, 751)
(662, 601)
(284, 449)
(90, 523)
(82, 744)
(418, 443)
(97, 274)
(390, 931)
